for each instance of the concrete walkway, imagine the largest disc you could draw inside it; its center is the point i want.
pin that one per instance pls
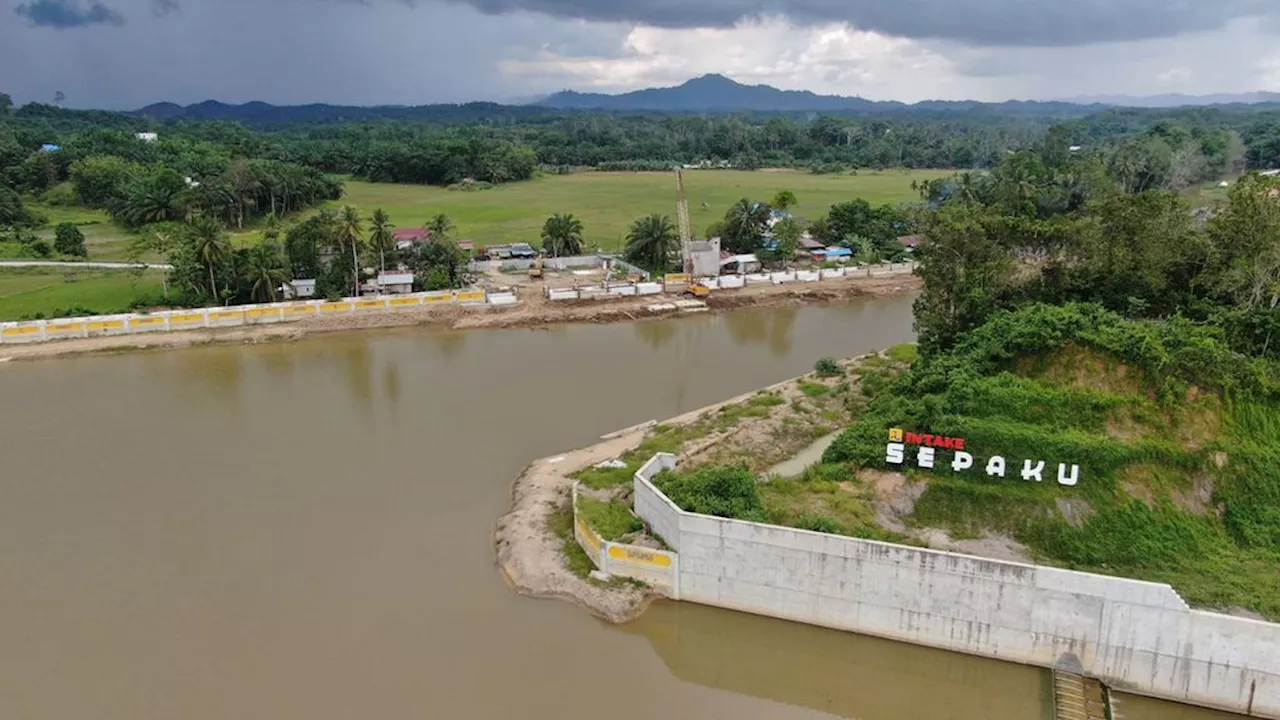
(73, 264)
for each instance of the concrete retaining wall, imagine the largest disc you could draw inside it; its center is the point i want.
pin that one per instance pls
(219, 317)
(1135, 636)
(657, 568)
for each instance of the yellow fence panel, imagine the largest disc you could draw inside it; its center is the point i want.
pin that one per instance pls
(447, 297)
(370, 304)
(330, 307)
(470, 296)
(146, 322)
(106, 325)
(404, 302)
(76, 328)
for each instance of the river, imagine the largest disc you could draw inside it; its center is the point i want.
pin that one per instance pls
(303, 530)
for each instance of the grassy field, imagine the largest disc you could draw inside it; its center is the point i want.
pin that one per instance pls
(28, 292)
(607, 203)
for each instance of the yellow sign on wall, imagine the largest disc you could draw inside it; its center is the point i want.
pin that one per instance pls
(639, 556)
(589, 534)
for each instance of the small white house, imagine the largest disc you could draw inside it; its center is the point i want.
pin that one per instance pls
(147, 136)
(396, 282)
(298, 289)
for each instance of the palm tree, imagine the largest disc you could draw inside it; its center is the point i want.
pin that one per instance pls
(784, 200)
(440, 227)
(265, 271)
(744, 226)
(381, 237)
(210, 245)
(562, 235)
(153, 199)
(652, 241)
(349, 234)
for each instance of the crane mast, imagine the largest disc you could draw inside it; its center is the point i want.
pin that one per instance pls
(682, 214)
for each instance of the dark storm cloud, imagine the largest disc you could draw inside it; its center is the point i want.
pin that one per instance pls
(68, 14)
(978, 22)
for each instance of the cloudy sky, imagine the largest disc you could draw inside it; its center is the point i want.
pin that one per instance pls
(123, 54)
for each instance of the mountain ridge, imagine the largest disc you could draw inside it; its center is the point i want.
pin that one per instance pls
(707, 93)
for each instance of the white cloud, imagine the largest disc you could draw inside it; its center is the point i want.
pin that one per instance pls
(830, 59)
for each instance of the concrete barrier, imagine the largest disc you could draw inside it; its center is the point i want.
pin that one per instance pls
(778, 278)
(562, 294)
(729, 282)
(657, 568)
(1136, 636)
(218, 317)
(507, 298)
(828, 273)
(648, 288)
(622, 290)
(758, 278)
(808, 276)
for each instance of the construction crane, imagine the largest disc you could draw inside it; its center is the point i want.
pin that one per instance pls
(682, 213)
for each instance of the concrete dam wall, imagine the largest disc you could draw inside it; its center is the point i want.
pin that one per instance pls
(1135, 636)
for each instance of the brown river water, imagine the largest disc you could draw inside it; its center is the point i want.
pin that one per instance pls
(303, 530)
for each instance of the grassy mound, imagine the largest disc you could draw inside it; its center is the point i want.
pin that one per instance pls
(1177, 438)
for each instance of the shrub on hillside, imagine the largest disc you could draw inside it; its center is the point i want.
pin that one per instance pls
(728, 492)
(827, 367)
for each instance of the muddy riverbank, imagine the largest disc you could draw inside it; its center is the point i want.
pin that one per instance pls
(533, 311)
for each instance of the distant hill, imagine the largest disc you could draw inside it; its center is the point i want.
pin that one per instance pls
(266, 114)
(711, 93)
(1179, 100)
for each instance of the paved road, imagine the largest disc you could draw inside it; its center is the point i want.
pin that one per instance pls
(70, 265)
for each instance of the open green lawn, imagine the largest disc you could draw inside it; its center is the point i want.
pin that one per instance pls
(26, 292)
(607, 202)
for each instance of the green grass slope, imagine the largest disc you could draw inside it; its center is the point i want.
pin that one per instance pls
(1177, 438)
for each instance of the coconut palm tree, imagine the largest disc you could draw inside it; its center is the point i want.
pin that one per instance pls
(652, 241)
(440, 227)
(381, 237)
(562, 235)
(210, 245)
(265, 271)
(744, 226)
(349, 234)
